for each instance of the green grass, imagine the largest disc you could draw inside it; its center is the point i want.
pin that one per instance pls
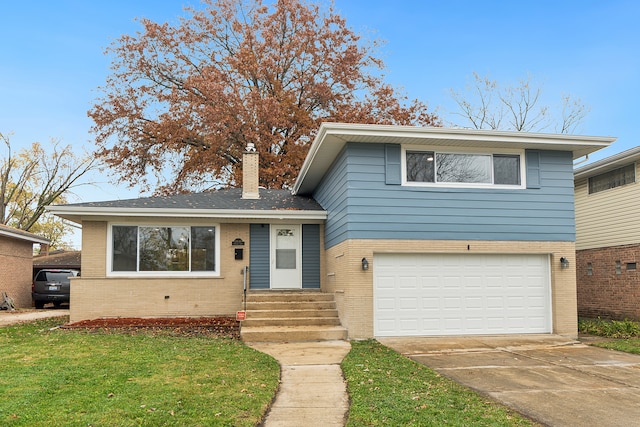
(631, 345)
(624, 334)
(79, 378)
(386, 388)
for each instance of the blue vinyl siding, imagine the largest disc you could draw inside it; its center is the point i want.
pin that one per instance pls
(259, 267)
(361, 205)
(332, 195)
(310, 256)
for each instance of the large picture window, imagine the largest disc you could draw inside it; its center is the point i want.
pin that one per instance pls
(163, 249)
(462, 168)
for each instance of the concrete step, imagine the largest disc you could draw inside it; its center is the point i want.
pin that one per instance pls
(290, 305)
(292, 313)
(291, 321)
(288, 296)
(292, 333)
(278, 316)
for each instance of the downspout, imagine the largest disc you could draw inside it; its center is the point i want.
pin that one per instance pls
(586, 159)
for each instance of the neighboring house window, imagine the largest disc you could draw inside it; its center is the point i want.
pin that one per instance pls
(612, 179)
(631, 266)
(151, 249)
(451, 168)
(618, 267)
(589, 269)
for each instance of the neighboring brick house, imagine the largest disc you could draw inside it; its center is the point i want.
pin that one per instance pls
(414, 231)
(607, 197)
(57, 260)
(16, 263)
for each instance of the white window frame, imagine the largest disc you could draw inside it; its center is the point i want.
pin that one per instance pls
(456, 150)
(111, 273)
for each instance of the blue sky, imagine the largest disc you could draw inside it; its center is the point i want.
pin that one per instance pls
(52, 59)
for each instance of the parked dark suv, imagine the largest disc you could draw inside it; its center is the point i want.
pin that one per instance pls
(52, 286)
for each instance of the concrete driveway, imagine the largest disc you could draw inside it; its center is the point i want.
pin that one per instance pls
(550, 379)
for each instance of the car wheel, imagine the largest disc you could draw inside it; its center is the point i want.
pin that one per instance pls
(39, 304)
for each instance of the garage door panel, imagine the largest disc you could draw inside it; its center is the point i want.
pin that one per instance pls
(471, 303)
(495, 303)
(408, 304)
(408, 325)
(387, 327)
(452, 294)
(387, 304)
(430, 303)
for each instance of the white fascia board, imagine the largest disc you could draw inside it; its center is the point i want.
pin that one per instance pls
(332, 137)
(19, 236)
(74, 213)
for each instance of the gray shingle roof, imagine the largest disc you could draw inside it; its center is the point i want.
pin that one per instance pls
(16, 233)
(221, 199)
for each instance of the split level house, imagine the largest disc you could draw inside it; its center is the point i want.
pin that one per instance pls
(412, 231)
(607, 197)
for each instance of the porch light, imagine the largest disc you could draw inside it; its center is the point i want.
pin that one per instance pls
(365, 264)
(564, 262)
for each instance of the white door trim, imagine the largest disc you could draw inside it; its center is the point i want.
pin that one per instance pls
(286, 274)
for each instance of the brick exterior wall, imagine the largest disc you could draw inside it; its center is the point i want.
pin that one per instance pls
(604, 290)
(353, 287)
(95, 295)
(16, 269)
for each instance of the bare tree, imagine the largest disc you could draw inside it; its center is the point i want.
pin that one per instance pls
(34, 178)
(487, 105)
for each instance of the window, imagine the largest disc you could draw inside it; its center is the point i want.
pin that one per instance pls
(618, 267)
(589, 269)
(146, 249)
(631, 266)
(462, 168)
(612, 179)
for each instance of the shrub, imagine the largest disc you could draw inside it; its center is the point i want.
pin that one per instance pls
(609, 328)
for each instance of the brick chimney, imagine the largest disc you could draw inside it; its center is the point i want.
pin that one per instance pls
(250, 172)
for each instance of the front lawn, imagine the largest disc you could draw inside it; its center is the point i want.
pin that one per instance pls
(388, 389)
(97, 378)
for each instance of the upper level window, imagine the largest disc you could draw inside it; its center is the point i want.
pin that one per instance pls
(612, 179)
(151, 249)
(462, 168)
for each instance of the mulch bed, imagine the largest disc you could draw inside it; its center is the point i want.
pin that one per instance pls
(227, 327)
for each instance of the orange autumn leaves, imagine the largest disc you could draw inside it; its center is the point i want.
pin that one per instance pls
(183, 100)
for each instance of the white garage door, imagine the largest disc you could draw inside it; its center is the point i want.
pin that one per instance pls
(461, 294)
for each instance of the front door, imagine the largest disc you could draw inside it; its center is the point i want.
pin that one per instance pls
(286, 257)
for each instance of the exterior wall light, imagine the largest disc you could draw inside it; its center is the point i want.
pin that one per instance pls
(564, 262)
(365, 264)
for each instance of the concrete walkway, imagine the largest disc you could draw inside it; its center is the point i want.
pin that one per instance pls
(26, 315)
(312, 389)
